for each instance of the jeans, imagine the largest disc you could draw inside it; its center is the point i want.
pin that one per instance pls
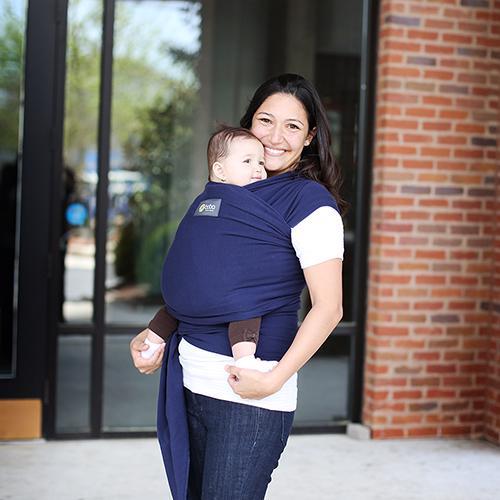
(234, 448)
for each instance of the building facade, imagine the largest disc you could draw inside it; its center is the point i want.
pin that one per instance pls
(432, 350)
(110, 107)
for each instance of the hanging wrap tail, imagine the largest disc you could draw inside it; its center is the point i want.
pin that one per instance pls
(171, 421)
(231, 259)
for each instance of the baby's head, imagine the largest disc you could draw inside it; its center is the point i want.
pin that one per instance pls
(235, 156)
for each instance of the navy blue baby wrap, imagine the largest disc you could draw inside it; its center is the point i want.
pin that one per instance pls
(231, 259)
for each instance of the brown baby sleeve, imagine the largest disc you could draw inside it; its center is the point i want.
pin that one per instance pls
(246, 330)
(163, 324)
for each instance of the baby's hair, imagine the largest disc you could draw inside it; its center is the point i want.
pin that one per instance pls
(218, 144)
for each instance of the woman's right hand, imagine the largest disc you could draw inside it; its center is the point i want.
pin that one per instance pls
(137, 345)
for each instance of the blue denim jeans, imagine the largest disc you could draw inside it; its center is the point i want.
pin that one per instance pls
(234, 448)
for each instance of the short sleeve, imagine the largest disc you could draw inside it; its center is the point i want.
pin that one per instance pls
(319, 237)
(311, 196)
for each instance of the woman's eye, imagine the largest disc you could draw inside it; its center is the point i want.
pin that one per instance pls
(293, 126)
(265, 120)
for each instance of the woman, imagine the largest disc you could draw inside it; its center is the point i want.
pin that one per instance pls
(235, 446)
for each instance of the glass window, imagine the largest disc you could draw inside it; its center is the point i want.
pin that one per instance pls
(322, 383)
(73, 384)
(79, 177)
(171, 74)
(179, 68)
(155, 96)
(12, 37)
(129, 401)
(77, 240)
(155, 102)
(338, 80)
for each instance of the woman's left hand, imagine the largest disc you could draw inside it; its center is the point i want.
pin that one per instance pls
(251, 384)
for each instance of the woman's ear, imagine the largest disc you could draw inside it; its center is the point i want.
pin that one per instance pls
(218, 171)
(310, 136)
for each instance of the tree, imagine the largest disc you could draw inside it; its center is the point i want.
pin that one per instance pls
(11, 77)
(160, 150)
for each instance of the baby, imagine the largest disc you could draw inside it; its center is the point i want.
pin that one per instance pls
(235, 156)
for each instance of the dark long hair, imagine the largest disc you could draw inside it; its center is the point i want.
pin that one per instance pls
(316, 161)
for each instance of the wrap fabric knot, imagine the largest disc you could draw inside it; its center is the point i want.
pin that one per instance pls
(235, 265)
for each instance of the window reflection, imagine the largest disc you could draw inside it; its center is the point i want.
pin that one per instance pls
(138, 409)
(79, 179)
(155, 98)
(322, 383)
(203, 60)
(179, 68)
(12, 35)
(73, 384)
(77, 240)
(337, 80)
(155, 94)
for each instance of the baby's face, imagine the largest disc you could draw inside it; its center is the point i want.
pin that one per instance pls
(244, 162)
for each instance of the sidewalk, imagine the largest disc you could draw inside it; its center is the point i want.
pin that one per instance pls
(319, 467)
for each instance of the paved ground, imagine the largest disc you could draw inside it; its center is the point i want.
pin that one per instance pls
(321, 467)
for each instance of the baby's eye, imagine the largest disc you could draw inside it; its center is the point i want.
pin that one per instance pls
(261, 163)
(247, 160)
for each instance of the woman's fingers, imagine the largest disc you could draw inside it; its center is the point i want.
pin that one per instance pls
(145, 366)
(233, 377)
(247, 383)
(137, 343)
(233, 370)
(154, 362)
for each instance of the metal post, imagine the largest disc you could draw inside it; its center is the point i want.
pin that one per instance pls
(103, 154)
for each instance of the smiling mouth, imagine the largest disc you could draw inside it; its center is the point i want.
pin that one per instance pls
(274, 152)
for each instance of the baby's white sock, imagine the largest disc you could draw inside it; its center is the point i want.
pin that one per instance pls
(254, 363)
(153, 347)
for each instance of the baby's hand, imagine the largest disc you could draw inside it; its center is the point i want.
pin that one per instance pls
(154, 342)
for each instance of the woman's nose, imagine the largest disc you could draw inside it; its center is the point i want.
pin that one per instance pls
(276, 135)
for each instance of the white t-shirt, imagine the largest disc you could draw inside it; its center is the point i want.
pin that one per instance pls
(317, 238)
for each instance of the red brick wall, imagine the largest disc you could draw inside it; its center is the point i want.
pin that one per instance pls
(429, 344)
(492, 411)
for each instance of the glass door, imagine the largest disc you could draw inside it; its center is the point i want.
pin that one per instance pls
(12, 51)
(154, 163)
(146, 82)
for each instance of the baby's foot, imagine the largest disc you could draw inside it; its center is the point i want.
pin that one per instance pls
(253, 363)
(153, 347)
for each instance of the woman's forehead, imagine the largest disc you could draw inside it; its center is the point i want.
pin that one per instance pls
(284, 106)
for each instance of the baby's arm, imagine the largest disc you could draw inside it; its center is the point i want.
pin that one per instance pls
(243, 337)
(159, 330)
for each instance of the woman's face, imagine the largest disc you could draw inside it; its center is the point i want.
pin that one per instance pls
(281, 125)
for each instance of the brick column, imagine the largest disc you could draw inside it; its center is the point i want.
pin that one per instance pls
(428, 351)
(492, 410)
